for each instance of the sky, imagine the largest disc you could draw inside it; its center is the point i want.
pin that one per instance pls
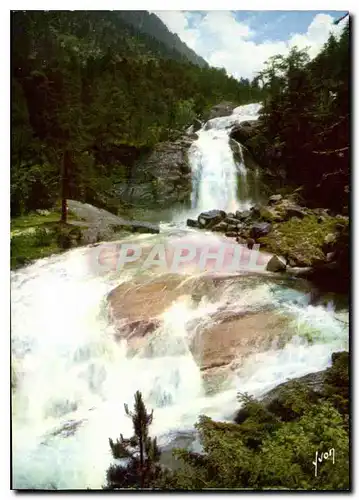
(241, 41)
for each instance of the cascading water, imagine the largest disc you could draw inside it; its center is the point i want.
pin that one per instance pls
(215, 172)
(72, 376)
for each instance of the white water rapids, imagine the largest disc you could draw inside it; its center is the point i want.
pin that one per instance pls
(73, 377)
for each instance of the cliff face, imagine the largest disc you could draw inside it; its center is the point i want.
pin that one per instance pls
(161, 178)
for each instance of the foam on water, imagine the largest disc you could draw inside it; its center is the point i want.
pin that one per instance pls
(73, 378)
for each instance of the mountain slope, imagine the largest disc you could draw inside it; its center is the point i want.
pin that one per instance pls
(153, 26)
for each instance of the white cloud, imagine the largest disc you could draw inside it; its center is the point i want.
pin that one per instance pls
(225, 42)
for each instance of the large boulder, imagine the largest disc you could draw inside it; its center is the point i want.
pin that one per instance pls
(276, 264)
(221, 227)
(192, 223)
(231, 220)
(99, 224)
(221, 109)
(260, 229)
(275, 198)
(234, 338)
(242, 215)
(244, 131)
(211, 218)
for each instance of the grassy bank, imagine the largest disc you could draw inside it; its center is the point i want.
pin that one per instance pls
(35, 236)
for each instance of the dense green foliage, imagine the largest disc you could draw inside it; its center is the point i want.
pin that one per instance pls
(99, 89)
(304, 125)
(272, 445)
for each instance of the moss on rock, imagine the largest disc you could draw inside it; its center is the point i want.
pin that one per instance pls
(301, 240)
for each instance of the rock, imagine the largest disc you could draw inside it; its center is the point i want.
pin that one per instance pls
(243, 215)
(221, 227)
(275, 198)
(222, 109)
(296, 212)
(250, 243)
(231, 220)
(255, 211)
(282, 401)
(304, 272)
(211, 218)
(157, 175)
(100, 222)
(269, 214)
(234, 338)
(43, 212)
(260, 229)
(287, 208)
(192, 223)
(276, 264)
(242, 132)
(231, 234)
(313, 381)
(232, 227)
(330, 256)
(230, 215)
(197, 125)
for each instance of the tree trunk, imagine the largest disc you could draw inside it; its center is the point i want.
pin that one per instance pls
(64, 185)
(141, 462)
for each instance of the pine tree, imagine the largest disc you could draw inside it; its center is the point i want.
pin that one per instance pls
(140, 452)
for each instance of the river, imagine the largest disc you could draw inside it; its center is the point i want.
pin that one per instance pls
(73, 375)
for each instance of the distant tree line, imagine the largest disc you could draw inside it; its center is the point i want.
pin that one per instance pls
(91, 91)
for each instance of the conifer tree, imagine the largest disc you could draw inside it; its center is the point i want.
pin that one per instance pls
(140, 451)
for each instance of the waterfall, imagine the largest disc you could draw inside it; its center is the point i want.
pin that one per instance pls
(218, 181)
(73, 375)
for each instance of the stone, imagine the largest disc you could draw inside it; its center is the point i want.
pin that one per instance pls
(221, 109)
(243, 215)
(43, 212)
(269, 214)
(235, 338)
(100, 221)
(231, 220)
(231, 234)
(296, 212)
(276, 264)
(232, 227)
(210, 218)
(330, 256)
(197, 125)
(255, 211)
(260, 229)
(304, 272)
(250, 243)
(153, 183)
(242, 132)
(275, 198)
(192, 223)
(220, 227)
